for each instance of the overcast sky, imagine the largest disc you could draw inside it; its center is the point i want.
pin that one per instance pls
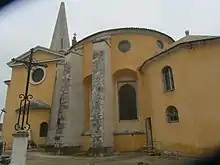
(27, 24)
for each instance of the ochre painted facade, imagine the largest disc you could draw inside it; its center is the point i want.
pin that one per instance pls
(194, 61)
(122, 143)
(124, 66)
(42, 91)
(196, 96)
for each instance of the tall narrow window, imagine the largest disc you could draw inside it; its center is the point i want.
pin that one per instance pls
(61, 43)
(43, 129)
(127, 102)
(168, 78)
(172, 115)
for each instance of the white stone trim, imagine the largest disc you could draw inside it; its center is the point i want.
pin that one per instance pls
(77, 48)
(45, 74)
(76, 53)
(101, 38)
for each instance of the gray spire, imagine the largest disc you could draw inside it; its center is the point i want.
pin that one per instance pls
(60, 40)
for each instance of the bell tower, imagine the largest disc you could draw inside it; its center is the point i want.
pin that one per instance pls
(60, 40)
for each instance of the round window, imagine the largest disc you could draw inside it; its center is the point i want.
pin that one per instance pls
(124, 46)
(37, 75)
(160, 44)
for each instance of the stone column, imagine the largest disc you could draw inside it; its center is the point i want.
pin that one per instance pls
(19, 148)
(66, 122)
(55, 105)
(62, 122)
(74, 115)
(101, 115)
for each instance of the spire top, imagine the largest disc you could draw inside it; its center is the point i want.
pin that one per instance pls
(60, 40)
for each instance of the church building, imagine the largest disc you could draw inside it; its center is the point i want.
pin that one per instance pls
(120, 90)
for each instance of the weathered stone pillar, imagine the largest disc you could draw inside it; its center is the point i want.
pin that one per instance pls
(55, 105)
(101, 115)
(74, 116)
(19, 148)
(66, 121)
(64, 102)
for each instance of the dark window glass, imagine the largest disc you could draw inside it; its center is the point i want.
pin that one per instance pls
(61, 43)
(37, 75)
(127, 103)
(124, 46)
(168, 78)
(172, 115)
(43, 129)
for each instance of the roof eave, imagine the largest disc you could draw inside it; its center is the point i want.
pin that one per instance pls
(26, 54)
(118, 29)
(44, 61)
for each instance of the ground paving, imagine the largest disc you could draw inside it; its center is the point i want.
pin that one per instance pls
(125, 159)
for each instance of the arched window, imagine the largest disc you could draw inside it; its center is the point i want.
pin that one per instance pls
(43, 129)
(172, 114)
(127, 102)
(168, 78)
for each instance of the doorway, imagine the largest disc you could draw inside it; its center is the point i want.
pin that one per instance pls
(149, 134)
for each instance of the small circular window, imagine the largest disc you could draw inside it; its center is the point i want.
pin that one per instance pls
(160, 44)
(38, 75)
(124, 46)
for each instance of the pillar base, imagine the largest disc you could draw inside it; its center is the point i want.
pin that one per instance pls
(100, 152)
(64, 150)
(19, 148)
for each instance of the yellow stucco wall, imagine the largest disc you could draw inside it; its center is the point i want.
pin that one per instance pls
(121, 142)
(142, 48)
(196, 96)
(37, 116)
(135, 142)
(85, 143)
(87, 59)
(43, 92)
